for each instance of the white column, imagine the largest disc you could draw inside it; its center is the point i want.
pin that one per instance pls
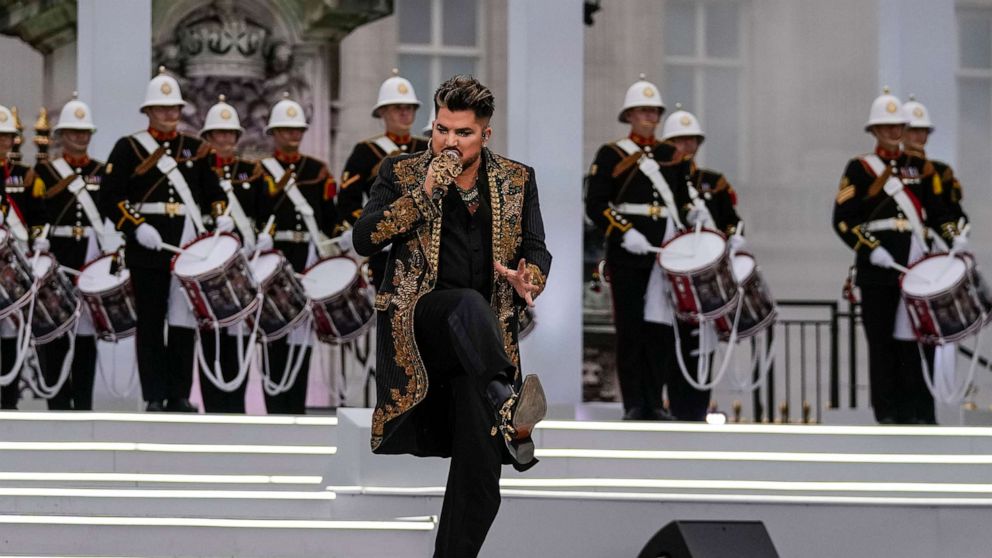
(113, 66)
(918, 53)
(544, 130)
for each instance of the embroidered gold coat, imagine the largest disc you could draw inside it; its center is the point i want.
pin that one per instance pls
(399, 212)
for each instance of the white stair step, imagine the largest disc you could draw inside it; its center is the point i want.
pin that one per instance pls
(153, 462)
(70, 536)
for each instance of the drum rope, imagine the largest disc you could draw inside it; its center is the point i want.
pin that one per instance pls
(762, 360)
(290, 370)
(110, 382)
(942, 386)
(23, 334)
(37, 381)
(703, 364)
(215, 373)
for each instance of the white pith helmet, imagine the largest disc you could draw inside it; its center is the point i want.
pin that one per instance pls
(886, 109)
(395, 90)
(681, 123)
(222, 116)
(7, 123)
(75, 115)
(163, 91)
(287, 113)
(642, 93)
(919, 116)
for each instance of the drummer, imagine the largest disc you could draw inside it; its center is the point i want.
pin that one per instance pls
(887, 229)
(682, 129)
(397, 108)
(630, 209)
(74, 241)
(17, 205)
(300, 230)
(222, 130)
(154, 208)
(915, 141)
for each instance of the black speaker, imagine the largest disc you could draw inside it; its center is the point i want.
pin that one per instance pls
(711, 539)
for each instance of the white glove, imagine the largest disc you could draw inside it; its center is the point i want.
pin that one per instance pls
(40, 245)
(737, 243)
(960, 243)
(697, 215)
(225, 224)
(344, 241)
(263, 242)
(148, 236)
(881, 258)
(635, 242)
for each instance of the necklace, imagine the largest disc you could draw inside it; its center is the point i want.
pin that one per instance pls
(470, 197)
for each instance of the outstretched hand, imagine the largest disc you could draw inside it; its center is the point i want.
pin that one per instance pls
(520, 279)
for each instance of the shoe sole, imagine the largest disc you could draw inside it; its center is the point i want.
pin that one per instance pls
(532, 406)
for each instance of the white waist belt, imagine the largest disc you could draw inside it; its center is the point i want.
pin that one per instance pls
(68, 231)
(291, 236)
(645, 209)
(890, 224)
(172, 209)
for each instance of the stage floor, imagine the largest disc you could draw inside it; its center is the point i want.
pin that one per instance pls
(144, 485)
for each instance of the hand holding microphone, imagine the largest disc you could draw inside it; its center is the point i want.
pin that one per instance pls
(443, 171)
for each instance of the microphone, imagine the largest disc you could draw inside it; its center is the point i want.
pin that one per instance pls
(445, 168)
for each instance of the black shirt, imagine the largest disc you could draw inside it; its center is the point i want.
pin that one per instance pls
(466, 255)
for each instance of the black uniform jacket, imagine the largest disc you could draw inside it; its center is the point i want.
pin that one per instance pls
(133, 178)
(360, 171)
(861, 200)
(318, 188)
(401, 213)
(62, 208)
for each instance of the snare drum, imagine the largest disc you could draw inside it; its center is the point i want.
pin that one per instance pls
(759, 307)
(943, 299)
(341, 299)
(16, 278)
(214, 273)
(109, 297)
(284, 299)
(697, 265)
(56, 308)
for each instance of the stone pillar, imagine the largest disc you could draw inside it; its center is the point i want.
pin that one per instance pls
(918, 53)
(544, 130)
(114, 66)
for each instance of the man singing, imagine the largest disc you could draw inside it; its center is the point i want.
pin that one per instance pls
(467, 255)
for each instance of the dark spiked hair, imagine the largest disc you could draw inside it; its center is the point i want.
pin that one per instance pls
(464, 92)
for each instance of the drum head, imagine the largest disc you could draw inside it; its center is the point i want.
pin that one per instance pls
(692, 251)
(933, 275)
(329, 277)
(96, 276)
(202, 255)
(744, 265)
(4, 236)
(265, 265)
(43, 264)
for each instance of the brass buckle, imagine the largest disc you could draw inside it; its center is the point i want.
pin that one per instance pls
(654, 211)
(77, 232)
(172, 208)
(298, 236)
(902, 225)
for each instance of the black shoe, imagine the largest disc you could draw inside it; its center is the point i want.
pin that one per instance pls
(887, 420)
(660, 414)
(517, 416)
(181, 406)
(635, 413)
(155, 406)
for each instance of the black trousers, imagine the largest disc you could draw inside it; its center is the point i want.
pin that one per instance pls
(10, 394)
(165, 369)
(216, 400)
(685, 402)
(294, 400)
(640, 352)
(459, 323)
(77, 391)
(898, 391)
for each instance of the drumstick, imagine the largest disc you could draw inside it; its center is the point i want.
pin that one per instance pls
(898, 267)
(217, 233)
(178, 250)
(70, 271)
